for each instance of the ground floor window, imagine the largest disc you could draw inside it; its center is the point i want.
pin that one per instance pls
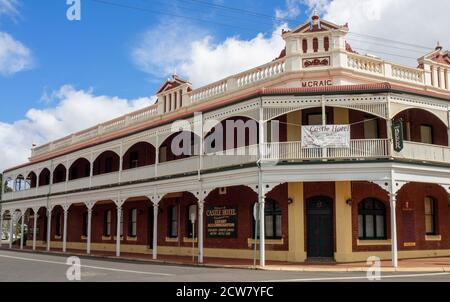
(272, 220)
(430, 216)
(133, 223)
(107, 224)
(371, 219)
(85, 224)
(173, 221)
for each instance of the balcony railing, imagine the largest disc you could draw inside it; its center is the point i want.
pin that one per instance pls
(367, 149)
(425, 152)
(359, 149)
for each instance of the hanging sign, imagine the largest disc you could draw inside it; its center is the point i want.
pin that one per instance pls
(326, 136)
(397, 136)
(221, 222)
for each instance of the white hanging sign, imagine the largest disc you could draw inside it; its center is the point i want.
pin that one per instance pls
(326, 136)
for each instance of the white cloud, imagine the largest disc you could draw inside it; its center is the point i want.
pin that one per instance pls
(421, 23)
(9, 8)
(75, 110)
(192, 52)
(14, 56)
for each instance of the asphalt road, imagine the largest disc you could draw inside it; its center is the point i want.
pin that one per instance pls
(27, 267)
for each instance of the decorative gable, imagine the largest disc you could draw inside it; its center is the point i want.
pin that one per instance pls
(171, 94)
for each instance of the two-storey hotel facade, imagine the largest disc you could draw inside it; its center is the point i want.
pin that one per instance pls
(120, 187)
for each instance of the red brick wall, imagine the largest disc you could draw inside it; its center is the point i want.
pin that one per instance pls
(357, 128)
(410, 220)
(418, 117)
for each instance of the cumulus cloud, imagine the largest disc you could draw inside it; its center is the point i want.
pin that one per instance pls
(14, 56)
(421, 24)
(193, 53)
(75, 110)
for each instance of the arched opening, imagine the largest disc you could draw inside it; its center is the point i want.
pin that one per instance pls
(20, 183)
(31, 180)
(107, 162)
(44, 177)
(8, 185)
(59, 174)
(422, 126)
(139, 155)
(231, 133)
(372, 220)
(81, 168)
(179, 145)
(305, 46)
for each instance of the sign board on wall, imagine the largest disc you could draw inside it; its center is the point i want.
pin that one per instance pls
(397, 136)
(221, 222)
(326, 136)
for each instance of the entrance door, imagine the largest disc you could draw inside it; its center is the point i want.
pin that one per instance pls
(319, 211)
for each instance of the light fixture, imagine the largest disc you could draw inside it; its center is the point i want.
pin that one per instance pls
(290, 200)
(349, 202)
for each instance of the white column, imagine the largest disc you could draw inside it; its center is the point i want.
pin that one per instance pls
(89, 223)
(35, 211)
(201, 204)
(66, 211)
(49, 227)
(261, 194)
(435, 76)
(393, 202)
(22, 232)
(119, 212)
(11, 229)
(1, 227)
(448, 122)
(155, 231)
(442, 75)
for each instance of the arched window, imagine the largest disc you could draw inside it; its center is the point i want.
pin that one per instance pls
(272, 220)
(316, 45)
(305, 45)
(371, 219)
(326, 43)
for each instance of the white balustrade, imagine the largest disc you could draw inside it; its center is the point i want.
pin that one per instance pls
(261, 73)
(424, 152)
(105, 179)
(77, 184)
(371, 148)
(180, 166)
(140, 173)
(232, 157)
(408, 74)
(365, 64)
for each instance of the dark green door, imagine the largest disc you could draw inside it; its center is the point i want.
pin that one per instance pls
(319, 218)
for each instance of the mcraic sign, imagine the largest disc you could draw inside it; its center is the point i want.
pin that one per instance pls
(316, 83)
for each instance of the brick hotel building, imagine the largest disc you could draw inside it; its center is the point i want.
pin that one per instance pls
(118, 186)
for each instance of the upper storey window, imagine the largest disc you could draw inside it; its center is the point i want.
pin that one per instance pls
(326, 43)
(305, 45)
(316, 45)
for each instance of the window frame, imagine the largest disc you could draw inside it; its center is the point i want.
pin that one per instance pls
(107, 223)
(132, 222)
(274, 211)
(364, 213)
(433, 216)
(172, 220)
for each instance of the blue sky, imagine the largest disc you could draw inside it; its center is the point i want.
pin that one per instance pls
(96, 51)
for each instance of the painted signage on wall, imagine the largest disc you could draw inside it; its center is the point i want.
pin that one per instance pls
(397, 136)
(326, 136)
(221, 222)
(316, 83)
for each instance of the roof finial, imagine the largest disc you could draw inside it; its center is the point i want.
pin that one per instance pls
(315, 15)
(438, 47)
(174, 74)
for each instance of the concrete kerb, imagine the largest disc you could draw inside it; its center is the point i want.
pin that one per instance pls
(299, 268)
